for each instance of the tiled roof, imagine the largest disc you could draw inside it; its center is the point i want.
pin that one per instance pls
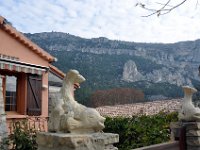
(56, 71)
(147, 108)
(24, 40)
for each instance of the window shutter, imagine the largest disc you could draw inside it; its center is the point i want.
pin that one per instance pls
(34, 93)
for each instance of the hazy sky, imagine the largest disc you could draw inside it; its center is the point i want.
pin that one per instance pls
(114, 19)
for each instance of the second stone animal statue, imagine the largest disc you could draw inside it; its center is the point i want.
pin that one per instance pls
(188, 111)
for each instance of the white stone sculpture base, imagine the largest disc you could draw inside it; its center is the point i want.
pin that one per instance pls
(67, 141)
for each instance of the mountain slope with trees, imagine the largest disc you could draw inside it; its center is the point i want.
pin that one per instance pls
(158, 70)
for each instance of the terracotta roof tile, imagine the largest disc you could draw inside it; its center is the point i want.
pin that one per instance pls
(24, 40)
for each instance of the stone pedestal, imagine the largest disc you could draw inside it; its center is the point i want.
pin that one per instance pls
(188, 134)
(192, 135)
(67, 141)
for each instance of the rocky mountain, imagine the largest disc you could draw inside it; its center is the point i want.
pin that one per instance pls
(131, 73)
(111, 63)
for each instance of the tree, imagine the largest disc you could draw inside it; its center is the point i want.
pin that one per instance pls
(116, 96)
(163, 9)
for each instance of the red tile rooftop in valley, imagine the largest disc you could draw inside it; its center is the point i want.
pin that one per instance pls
(147, 108)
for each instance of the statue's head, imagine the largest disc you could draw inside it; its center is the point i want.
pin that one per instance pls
(189, 90)
(74, 76)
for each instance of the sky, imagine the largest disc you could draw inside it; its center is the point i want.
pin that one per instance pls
(114, 19)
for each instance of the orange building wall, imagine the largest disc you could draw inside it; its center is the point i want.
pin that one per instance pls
(11, 47)
(45, 95)
(22, 93)
(37, 123)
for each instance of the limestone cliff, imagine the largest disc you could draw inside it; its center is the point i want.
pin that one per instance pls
(130, 72)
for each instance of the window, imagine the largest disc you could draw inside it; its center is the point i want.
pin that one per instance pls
(10, 93)
(22, 93)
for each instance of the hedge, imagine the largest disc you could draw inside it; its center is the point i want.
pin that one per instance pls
(140, 131)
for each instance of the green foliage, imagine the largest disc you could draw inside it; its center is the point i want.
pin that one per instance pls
(196, 96)
(23, 137)
(165, 89)
(140, 131)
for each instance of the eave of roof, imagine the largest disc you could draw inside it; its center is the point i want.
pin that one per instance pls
(57, 71)
(24, 40)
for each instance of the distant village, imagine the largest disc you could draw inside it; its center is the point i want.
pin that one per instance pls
(145, 108)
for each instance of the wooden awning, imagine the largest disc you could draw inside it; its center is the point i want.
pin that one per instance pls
(22, 67)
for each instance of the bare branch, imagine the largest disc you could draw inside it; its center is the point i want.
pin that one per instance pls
(177, 5)
(164, 4)
(163, 10)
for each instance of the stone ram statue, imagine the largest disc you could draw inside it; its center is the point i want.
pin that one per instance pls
(188, 111)
(67, 115)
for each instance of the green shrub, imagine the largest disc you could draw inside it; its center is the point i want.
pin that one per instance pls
(23, 137)
(140, 131)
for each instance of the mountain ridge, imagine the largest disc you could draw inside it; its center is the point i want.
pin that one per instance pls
(101, 37)
(105, 64)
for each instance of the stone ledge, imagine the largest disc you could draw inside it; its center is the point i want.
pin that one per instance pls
(193, 141)
(193, 147)
(191, 125)
(193, 133)
(61, 141)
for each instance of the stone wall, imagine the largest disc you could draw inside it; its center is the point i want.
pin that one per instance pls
(3, 128)
(187, 134)
(54, 93)
(192, 135)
